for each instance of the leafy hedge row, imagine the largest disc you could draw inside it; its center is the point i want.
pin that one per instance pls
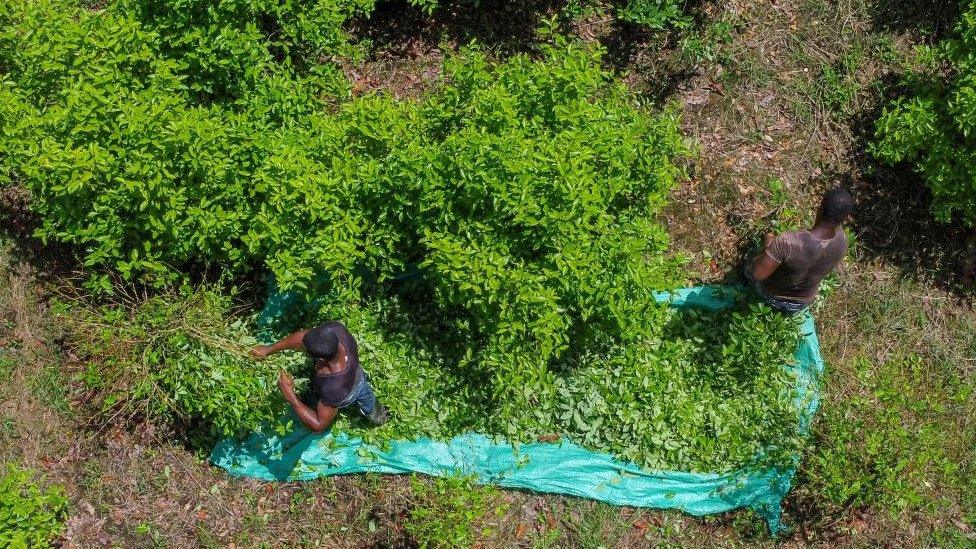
(139, 134)
(524, 191)
(934, 128)
(698, 391)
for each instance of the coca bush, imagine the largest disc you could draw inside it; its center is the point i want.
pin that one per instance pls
(932, 127)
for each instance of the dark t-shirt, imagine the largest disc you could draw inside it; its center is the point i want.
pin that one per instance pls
(333, 389)
(804, 261)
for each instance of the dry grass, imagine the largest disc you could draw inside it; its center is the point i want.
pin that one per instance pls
(901, 365)
(32, 428)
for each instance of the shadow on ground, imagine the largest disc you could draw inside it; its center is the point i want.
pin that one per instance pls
(395, 26)
(398, 30)
(629, 49)
(933, 19)
(894, 224)
(893, 220)
(18, 223)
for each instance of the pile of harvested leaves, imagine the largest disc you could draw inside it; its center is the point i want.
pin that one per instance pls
(704, 391)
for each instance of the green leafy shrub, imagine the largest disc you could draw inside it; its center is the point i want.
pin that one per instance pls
(449, 511)
(933, 127)
(655, 14)
(175, 357)
(30, 517)
(701, 391)
(243, 49)
(525, 191)
(141, 149)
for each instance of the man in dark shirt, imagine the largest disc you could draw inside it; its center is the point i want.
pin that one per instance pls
(788, 272)
(339, 380)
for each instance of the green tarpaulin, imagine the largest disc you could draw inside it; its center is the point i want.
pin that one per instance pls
(562, 467)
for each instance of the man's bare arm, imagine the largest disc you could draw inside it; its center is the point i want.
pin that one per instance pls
(317, 420)
(291, 343)
(763, 266)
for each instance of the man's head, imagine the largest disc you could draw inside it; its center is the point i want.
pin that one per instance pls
(321, 343)
(836, 206)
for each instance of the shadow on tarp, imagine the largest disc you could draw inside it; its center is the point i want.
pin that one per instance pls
(561, 468)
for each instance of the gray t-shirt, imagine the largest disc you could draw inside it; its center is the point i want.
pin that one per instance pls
(804, 261)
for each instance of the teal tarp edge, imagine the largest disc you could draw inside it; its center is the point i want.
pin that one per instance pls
(562, 468)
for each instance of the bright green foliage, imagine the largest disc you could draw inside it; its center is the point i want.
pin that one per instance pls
(934, 128)
(655, 14)
(699, 391)
(248, 49)
(449, 511)
(530, 204)
(708, 389)
(524, 191)
(137, 153)
(30, 517)
(174, 357)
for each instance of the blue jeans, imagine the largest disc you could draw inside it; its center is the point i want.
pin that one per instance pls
(363, 395)
(785, 306)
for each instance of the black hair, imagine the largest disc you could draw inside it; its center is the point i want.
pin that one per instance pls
(321, 342)
(837, 205)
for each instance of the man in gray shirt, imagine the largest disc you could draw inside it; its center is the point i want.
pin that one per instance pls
(788, 272)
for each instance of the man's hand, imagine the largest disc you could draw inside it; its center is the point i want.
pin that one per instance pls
(768, 239)
(286, 383)
(290, 343)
